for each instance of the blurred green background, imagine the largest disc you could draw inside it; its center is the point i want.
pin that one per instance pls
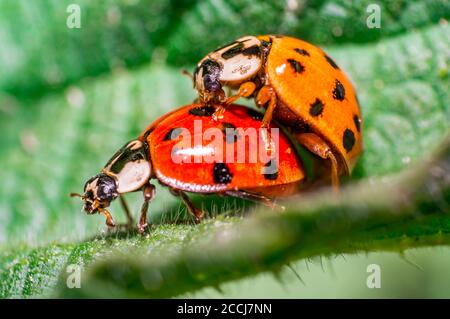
(69, 97)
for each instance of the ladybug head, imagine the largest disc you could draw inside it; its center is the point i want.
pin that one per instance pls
(127, 171)
(207, 80)
(232, 65)
(99, 192)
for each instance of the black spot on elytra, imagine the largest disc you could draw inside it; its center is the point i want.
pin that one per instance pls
(338, 91)
(253, 50)
(316, 108)
(357, 121)
(270, 170)
(297, 66)
(233, 51)
(348, 140)
(173, 133)
(221, 173)
(206, 110)
(302, 52)
(255, 114)
(230, 132)
(331, 62)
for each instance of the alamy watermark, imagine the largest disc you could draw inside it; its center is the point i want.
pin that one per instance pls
(74, 278)
(373, 21)
(374, 279)
(73, 20)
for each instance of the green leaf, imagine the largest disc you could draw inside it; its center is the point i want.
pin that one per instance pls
(52, 141)
(404, 212)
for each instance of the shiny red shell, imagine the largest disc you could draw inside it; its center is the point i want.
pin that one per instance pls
(179, 136)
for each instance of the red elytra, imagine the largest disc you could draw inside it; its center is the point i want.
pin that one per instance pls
(177, 151)
(196, 175)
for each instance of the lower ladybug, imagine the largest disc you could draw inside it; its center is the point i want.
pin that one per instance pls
(297, 83)
(187, 151)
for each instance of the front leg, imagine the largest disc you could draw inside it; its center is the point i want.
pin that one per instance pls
(266, 96)
(149, 192)
(246, 89)
(109, 219)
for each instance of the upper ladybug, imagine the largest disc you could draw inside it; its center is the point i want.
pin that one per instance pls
(299, 84)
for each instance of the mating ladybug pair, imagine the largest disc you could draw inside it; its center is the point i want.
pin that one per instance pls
(298, 84)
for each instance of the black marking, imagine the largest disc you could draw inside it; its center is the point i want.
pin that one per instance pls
(221, 173)
(348, 140)
(270, 172)
(173, 134)
(357, 121)
(266, 44)
(253, 50)
(331, 62)
(230, 132)
(302, 52)
(316, 108)
(124, 155)
(338, 91)
(255, 114)
(206, 110)
(146, 134)
(106, 188)
(297, 66)
(228, 54)
(211, 75)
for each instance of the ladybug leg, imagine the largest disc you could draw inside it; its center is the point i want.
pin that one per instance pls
(197, 213)
(267, 96)
(255, 198)
(126, 209)
(149, 193)
(109, 219)
(245, 90)
(319, 147)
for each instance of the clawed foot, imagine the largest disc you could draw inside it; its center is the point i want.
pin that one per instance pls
(218, 114)
(141, 228)
(198, 215)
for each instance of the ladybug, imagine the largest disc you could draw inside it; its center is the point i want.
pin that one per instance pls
(298, 84)
(188, 151)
